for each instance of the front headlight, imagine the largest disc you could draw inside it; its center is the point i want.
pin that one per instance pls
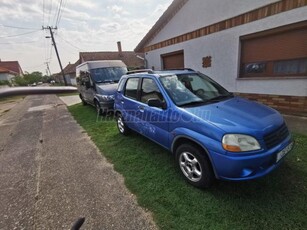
(106, 97)
(240, 143)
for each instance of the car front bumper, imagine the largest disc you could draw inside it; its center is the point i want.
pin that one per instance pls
(106, 105)
(236, 167)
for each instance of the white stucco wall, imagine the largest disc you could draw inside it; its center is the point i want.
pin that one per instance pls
(196, 14)
(6, 77)
(224, 47)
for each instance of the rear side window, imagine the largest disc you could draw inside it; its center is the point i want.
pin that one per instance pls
(131, 88)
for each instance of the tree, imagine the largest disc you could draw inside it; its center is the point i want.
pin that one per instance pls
(28, 78)
(20, 81)
(33, 77)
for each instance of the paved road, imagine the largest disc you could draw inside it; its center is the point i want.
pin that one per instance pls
(51, 173)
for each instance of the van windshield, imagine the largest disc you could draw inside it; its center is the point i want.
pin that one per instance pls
(193, 89)
(107, 75)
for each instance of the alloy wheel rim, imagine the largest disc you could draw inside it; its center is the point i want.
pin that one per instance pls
(190, 166)
(120, 124)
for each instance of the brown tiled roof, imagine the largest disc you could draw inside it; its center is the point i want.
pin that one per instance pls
(71, 68)
(160, 24)
(12, 66)
(128, 57)
(4, 70)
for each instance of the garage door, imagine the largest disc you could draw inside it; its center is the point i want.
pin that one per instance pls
(173, 60)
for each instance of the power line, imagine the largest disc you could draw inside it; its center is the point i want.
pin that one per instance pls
(18, 27)
(69, 43)
(17, 35)
(23, 42)
(61, 13)
(58, 14)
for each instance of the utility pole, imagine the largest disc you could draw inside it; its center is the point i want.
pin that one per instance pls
(56, 51)
(48, 69)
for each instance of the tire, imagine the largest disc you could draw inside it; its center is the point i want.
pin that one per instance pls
(97, 107)
(194, 166)
(121, 126)
(83, 102)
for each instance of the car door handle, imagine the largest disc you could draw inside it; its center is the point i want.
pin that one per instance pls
(141, 108)
(122, 101)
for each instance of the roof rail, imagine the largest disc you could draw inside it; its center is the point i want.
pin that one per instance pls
(150, 71)
(189, 69)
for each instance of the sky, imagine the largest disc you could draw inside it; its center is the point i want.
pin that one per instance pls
(82, 26)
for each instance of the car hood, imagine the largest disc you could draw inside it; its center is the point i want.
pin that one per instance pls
(106, 88)
(238, 115)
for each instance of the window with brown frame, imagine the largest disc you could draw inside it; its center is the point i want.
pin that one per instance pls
(281, 52)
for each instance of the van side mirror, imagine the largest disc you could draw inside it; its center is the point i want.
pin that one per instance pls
(153, 102)
(87, 84)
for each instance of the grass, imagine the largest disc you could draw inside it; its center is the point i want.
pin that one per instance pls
(67, 94)
(277, 201)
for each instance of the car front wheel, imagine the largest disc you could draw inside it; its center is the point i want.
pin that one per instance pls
(98, 108)
(194, 166)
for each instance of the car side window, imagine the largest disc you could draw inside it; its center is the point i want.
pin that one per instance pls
(132, 88)
(150, 90)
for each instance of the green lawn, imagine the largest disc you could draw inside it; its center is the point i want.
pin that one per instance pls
(277, 201)
(67, 94)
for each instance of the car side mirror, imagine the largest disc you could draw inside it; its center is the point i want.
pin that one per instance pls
(87, 84)
(153, 102)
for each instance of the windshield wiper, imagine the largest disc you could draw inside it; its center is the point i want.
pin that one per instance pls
(193, 103)
(220, 98)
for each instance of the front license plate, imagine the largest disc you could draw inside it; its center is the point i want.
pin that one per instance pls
(284, 152)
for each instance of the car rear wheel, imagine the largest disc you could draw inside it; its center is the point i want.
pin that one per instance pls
(194, 166)
(83, 101)
(121, 126)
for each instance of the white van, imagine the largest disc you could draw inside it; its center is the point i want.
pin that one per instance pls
(97, 82)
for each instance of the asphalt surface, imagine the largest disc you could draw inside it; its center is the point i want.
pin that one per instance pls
(51, 174)
(26, 90)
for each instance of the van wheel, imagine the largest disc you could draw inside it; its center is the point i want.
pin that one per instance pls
(83, 102)
(121, 126)
(194, 166)
(98, 109)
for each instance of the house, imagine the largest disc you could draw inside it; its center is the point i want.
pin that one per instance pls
(70, 73)
(130, 58)
(9, 70)
(256, 49)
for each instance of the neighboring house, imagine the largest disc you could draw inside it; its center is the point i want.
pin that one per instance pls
(130, 58)
(9, 70)
(257, 49)
(70, 73)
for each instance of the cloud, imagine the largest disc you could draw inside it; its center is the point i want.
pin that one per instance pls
(82, 3)
(91, 25)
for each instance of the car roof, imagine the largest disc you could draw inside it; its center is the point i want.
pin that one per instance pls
(161, 73)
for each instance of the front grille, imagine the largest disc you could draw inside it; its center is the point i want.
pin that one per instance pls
(274, 138)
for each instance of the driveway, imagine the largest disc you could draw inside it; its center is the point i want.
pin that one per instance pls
(51, 173)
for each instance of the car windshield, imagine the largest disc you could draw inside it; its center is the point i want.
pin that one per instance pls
(193, 89)
(107, 75)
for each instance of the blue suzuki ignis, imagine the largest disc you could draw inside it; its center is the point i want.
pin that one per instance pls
(212, 133)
